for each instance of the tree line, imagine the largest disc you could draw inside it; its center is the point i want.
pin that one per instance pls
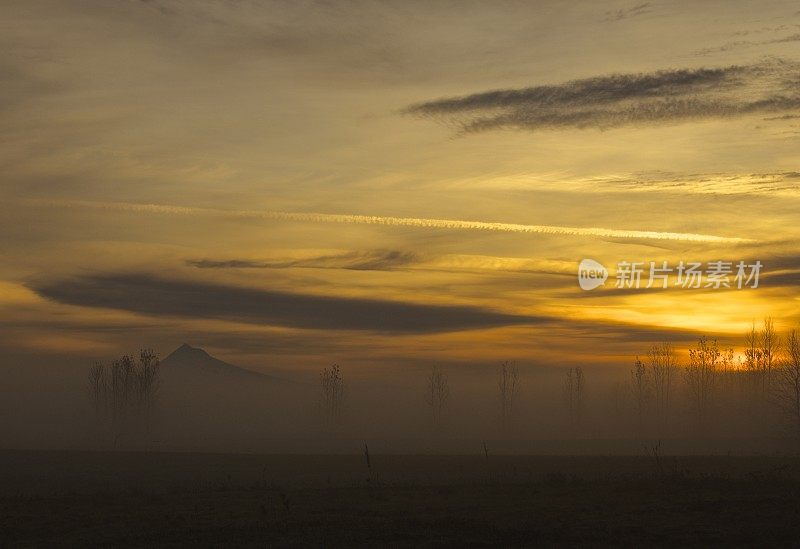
(764, 382)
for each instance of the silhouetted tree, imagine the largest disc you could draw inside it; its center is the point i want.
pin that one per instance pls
(98, 387)
(332, 397)
(573, 395)
(640, 389)
(438, 393)
(787, 386)
(507, 384)
(752, 351)
(146, 379)
(762, 348)
(706, 361)
(663, 362)
(753, 379)
(770, 349)
(125, 392)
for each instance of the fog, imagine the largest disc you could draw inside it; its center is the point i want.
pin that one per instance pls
(47, 403)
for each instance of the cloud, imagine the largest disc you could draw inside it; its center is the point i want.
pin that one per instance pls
(684, 183)
(765, 183)
(787, 279)
(495, 226)
(146, 294)
(780, 271)
(626, 99)
(618, 15)
(784, 117)
(747, 44)
(422, 223)
(376, 260)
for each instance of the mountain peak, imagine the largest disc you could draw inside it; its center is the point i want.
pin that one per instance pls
(197, 361)
(188, 350)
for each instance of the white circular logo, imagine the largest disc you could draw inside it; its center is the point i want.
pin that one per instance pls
(591, 274)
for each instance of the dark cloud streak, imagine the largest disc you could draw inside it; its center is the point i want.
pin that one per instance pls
(626, 99)
(378, 260)
(144, 293)
(618, 15)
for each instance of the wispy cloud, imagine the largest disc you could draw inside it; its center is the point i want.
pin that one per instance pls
(501, 227)
(373, 260)
(767, 183)
(423, 223)
(625, 13)
(747, 44)
(611, 101)
(144, 293)
(775, 183)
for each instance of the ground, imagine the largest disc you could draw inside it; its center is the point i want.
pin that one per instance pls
(138, 499)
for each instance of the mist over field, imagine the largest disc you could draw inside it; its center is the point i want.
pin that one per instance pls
(204, 404)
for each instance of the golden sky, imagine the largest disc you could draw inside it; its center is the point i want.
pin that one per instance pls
(290, 184)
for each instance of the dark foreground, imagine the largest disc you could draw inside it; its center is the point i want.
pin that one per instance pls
(80, 499)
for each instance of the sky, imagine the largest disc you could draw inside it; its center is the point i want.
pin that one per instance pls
(386, 184)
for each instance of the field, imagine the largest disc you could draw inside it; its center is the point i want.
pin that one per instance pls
(136, 499)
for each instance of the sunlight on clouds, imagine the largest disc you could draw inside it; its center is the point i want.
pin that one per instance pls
(781, 184)
(16, 294)
(729, 312)
(271, 148)
(423, 223)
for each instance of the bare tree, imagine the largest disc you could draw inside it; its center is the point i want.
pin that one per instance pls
(706, 361)
(146, 384)
(507, 384)
(332, 397)
(121, 394)
(770, 349)
(761, 356)
(438, 393)
(125, 392)
(752, 351)
(98, 387)
(753, 394)
(663, 362)
(573, 395)
(640, 388)
(761, 350)
(787, 386)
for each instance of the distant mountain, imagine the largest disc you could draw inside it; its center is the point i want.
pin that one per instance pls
(192, 361)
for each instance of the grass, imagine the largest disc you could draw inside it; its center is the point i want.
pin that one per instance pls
(611, 503)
